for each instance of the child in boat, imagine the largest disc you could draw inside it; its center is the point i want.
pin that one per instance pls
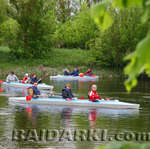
(67, 93)
(12, 77)
(26, 79)
(89, 72)
(33, 91)
(93, 95)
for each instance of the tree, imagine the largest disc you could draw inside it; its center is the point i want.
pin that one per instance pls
(3, 12)
(65, 9)
(36, 24)
(140, 59)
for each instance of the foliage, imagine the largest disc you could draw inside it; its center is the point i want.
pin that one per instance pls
(36, 24)
(8, 32)
(56, 58)
(120, 39)
(77, 32)
(65, 9)
(138, 60)
(3, 12)
(125, 146)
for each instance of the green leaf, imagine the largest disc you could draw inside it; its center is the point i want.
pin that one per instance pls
(146, 15)
(101, 15)
(127, 3)
(139, 62)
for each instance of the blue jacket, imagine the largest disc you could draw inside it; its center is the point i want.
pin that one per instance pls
(75, 73)
(36, 91)
(67, 93)
(34, 80)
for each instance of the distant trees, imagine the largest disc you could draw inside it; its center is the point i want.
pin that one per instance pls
(35, 22)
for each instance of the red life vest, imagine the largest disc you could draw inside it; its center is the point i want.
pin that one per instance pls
(24, 79)
(93, 96)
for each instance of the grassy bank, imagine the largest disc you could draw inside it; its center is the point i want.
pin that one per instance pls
(55, 62)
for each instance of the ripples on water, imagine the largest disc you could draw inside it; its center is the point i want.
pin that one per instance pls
(52, 117)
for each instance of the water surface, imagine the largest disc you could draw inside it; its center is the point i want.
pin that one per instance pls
(52, 117)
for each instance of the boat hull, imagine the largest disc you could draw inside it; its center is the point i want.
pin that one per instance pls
(74, 78)
(21, 85)
(113, 104)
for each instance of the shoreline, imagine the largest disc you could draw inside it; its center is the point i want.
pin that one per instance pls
(41, 70)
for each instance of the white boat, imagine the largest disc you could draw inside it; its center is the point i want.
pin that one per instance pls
(41, 86)
(73, 78)
(112, 104)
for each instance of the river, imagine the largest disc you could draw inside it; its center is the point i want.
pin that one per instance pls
(37, 118)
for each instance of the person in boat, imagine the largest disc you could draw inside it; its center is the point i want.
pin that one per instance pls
(67, 93)
(12, 77)
(66, 72)
(75, 72)
(33, 91)
(89, 72)
(34, 79)
(93, 95)
(26, 79)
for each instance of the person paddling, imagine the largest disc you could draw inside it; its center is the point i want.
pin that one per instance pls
(12, 77)
(67, 93)
(26, 79)
(89, 72)
(36, 92)
(34, 79)
(75, 72)
(66, 72)
(93, 95)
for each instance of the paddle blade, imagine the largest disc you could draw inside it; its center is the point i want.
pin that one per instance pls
(68, 99)
(1, 90)
(93, 76)
(81, 74)
(1, 81)
(28, 98)
(82, 98)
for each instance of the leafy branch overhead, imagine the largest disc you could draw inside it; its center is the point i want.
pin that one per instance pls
(139, 61)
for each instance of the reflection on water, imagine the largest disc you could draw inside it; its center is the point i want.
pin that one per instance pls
(20, 116)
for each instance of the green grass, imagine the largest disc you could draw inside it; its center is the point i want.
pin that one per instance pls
(55, 62)
(56, 58)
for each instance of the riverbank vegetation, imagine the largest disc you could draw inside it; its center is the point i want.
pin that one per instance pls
(33, 29)
(64, 24)
(55, 61)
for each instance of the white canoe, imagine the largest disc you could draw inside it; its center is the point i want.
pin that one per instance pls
(112, 104)
(73, 78)
(41, 86)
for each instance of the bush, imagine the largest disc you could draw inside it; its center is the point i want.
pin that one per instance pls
(8, 31)
(77, 32)
(118, 41)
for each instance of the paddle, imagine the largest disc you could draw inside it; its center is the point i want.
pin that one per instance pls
(1, 82)
(44, 77)
(81, 98)
(93, 76)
